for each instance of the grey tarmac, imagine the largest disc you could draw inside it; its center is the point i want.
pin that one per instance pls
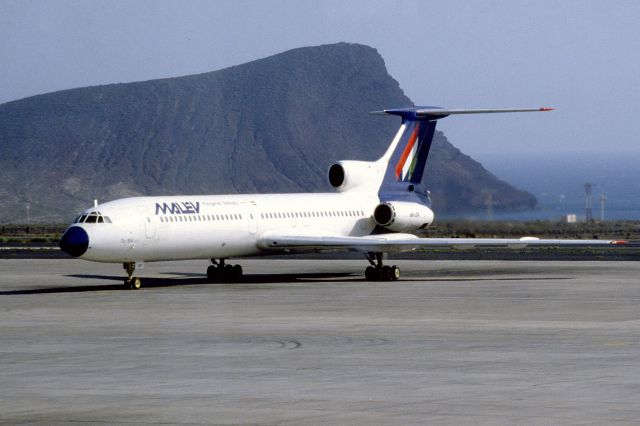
(311, 342)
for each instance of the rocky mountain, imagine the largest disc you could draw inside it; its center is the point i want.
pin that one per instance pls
(272, 125)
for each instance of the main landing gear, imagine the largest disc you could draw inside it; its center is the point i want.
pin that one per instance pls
(221, 272)
(379, 272)
(131, 282)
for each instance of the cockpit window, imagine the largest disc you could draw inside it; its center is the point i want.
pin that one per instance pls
(93, 217)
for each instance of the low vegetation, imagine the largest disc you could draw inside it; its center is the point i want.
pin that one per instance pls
(616, 230)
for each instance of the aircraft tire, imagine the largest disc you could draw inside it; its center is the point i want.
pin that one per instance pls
(226, 273)
(136, 283)
(370, 273)
(395, 273)
(212, 273)
(236, 273)
(385, 273)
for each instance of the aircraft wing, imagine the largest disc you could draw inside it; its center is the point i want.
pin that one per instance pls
(407, 242)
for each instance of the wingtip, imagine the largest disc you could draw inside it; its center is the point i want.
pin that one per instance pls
(619, 242)
(546, 109)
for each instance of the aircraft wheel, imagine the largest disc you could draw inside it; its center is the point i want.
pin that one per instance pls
(236, 273)
(370, 273)
(395, 273)
(136, 283)
(385, 273)
(212, 273)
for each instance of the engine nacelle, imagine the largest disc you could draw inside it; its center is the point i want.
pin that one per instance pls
(402, 216)
(346, 175)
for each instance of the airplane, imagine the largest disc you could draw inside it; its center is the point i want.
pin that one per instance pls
(377, 208)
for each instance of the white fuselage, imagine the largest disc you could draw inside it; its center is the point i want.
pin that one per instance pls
(219, 226)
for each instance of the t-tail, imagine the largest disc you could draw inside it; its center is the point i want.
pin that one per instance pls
(405, 160)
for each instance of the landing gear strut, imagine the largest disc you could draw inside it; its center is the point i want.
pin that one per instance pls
(131, 282)
(379, 272)
(221, 272)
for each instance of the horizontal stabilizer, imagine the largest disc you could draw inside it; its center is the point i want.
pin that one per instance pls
(435, 113)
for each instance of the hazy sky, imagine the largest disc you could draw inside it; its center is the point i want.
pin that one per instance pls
(582, 57)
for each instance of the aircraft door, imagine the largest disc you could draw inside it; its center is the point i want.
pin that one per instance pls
(252, 218)
(150, 225)
(150, 228)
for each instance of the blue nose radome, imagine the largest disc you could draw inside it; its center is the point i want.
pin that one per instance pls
(74, 241)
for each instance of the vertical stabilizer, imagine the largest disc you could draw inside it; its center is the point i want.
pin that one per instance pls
(407, 155)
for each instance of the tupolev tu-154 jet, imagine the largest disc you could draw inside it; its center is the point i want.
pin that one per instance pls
(377, 208)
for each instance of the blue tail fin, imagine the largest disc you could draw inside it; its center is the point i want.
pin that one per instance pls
(407, 155)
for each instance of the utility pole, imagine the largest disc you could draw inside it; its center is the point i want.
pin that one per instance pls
(603, 198)
(588, 188)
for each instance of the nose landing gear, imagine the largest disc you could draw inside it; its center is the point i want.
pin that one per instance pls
(221, 272)
(131, 282)
(379, 272)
